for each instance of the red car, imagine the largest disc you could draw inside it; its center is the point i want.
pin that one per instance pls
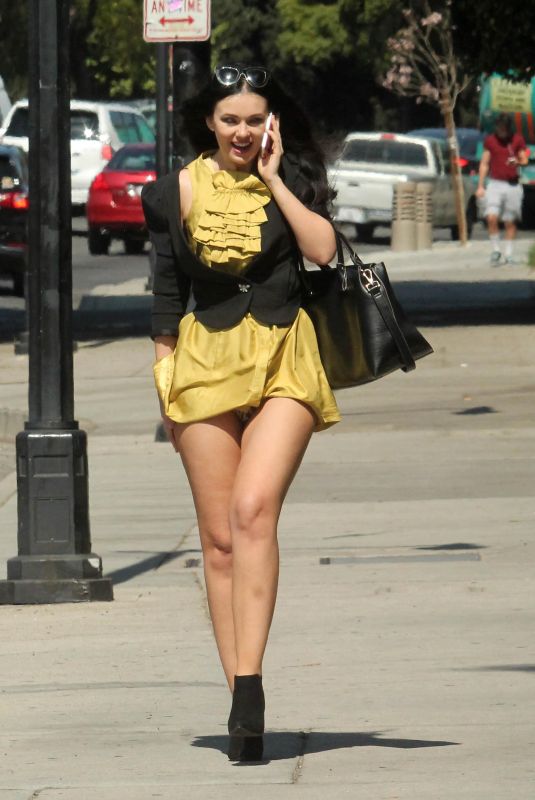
(113, 207)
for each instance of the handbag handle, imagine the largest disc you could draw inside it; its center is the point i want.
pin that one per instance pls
(379, 294)
(375, 288)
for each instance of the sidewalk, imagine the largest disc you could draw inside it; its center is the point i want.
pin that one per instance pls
(401, 657)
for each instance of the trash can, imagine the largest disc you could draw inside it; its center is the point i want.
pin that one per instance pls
(424, 215)
(403, 237)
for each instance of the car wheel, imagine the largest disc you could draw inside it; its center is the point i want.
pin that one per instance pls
(18, 284)
(98, 242)
(365, 232)
(133, 247)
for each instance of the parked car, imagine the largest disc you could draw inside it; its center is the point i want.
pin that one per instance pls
(5, 102)
(13, 215)
(114, 204)
(372, 163)
(148, 109)
(97, 131)
(468, 140)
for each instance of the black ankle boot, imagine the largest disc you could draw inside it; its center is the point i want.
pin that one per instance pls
(246, 721)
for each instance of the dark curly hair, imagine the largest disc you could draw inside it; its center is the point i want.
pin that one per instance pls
(295, 127)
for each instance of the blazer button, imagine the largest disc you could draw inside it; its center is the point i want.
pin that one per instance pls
(244, 287)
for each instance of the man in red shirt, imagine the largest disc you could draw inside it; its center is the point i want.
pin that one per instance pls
(504, 151)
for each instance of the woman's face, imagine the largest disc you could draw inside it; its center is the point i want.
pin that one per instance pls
(238, 122)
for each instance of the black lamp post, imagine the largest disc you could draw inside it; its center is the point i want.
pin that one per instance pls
(54, 562)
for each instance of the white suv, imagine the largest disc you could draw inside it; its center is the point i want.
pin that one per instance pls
(97, 131)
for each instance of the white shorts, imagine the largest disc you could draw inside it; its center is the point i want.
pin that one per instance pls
(503, 200)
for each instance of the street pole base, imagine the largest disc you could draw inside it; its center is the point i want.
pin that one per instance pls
(65, 578)
(37, 592)
(54, 567)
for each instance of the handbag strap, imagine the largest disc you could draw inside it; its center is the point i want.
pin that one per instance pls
(373, 285)
(377, 291)
(385, 309)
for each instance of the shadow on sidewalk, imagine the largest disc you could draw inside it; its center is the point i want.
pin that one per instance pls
(500, 668)
(429, 302)
(149, 564)
(280, 745)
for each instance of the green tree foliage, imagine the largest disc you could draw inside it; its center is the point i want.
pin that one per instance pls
(244, 30)
(328, 54)
(120, 61)
(108, 55)
(311, 34)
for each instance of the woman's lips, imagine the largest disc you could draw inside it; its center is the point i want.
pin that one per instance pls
(241, 148)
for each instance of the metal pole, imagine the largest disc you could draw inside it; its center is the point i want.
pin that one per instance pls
(54, 562)
(162, 110)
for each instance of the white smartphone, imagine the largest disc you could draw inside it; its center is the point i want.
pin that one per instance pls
(265, 138)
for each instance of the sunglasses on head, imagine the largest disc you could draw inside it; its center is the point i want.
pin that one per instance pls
(256, 77)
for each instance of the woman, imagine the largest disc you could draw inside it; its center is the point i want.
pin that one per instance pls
(241, 384)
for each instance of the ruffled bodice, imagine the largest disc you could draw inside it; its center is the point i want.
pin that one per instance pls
(224, 222)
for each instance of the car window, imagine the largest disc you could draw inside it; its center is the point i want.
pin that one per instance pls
(150, 116)
(468, 144)
(18, 125)
(133, 161)
(385, 151)
(84, 125)
(131, 127)
(9, 175)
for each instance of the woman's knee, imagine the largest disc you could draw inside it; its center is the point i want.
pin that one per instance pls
(217, 550)
(253, 514)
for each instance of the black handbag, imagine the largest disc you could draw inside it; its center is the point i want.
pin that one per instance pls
(361, 328)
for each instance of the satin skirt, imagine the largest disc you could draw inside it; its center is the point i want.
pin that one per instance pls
(236, 369)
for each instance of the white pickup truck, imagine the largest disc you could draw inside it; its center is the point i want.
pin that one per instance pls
(371, 163)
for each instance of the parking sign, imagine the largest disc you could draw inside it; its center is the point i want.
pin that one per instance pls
(176, 20)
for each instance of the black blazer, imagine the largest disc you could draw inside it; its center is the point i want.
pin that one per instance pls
(269, 288)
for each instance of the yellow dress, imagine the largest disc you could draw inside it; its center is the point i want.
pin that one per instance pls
(236, 369)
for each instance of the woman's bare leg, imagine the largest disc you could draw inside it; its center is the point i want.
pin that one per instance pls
(210, 452)
(272, 447)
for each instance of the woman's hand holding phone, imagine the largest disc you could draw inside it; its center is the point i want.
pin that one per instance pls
(266, 139)
(271, 150)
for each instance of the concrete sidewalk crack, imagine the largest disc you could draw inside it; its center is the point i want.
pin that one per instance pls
(298, 769)
(169, 555)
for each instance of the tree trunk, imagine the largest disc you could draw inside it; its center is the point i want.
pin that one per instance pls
(456, 177)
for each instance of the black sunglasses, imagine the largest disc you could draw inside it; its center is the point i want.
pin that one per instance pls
(256, 77)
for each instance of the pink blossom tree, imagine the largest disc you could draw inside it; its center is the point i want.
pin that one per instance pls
(424, 65)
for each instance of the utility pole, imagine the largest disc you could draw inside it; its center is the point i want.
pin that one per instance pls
(54, 562)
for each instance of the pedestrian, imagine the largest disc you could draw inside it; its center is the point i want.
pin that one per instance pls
(504, 152)
(240, 383)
